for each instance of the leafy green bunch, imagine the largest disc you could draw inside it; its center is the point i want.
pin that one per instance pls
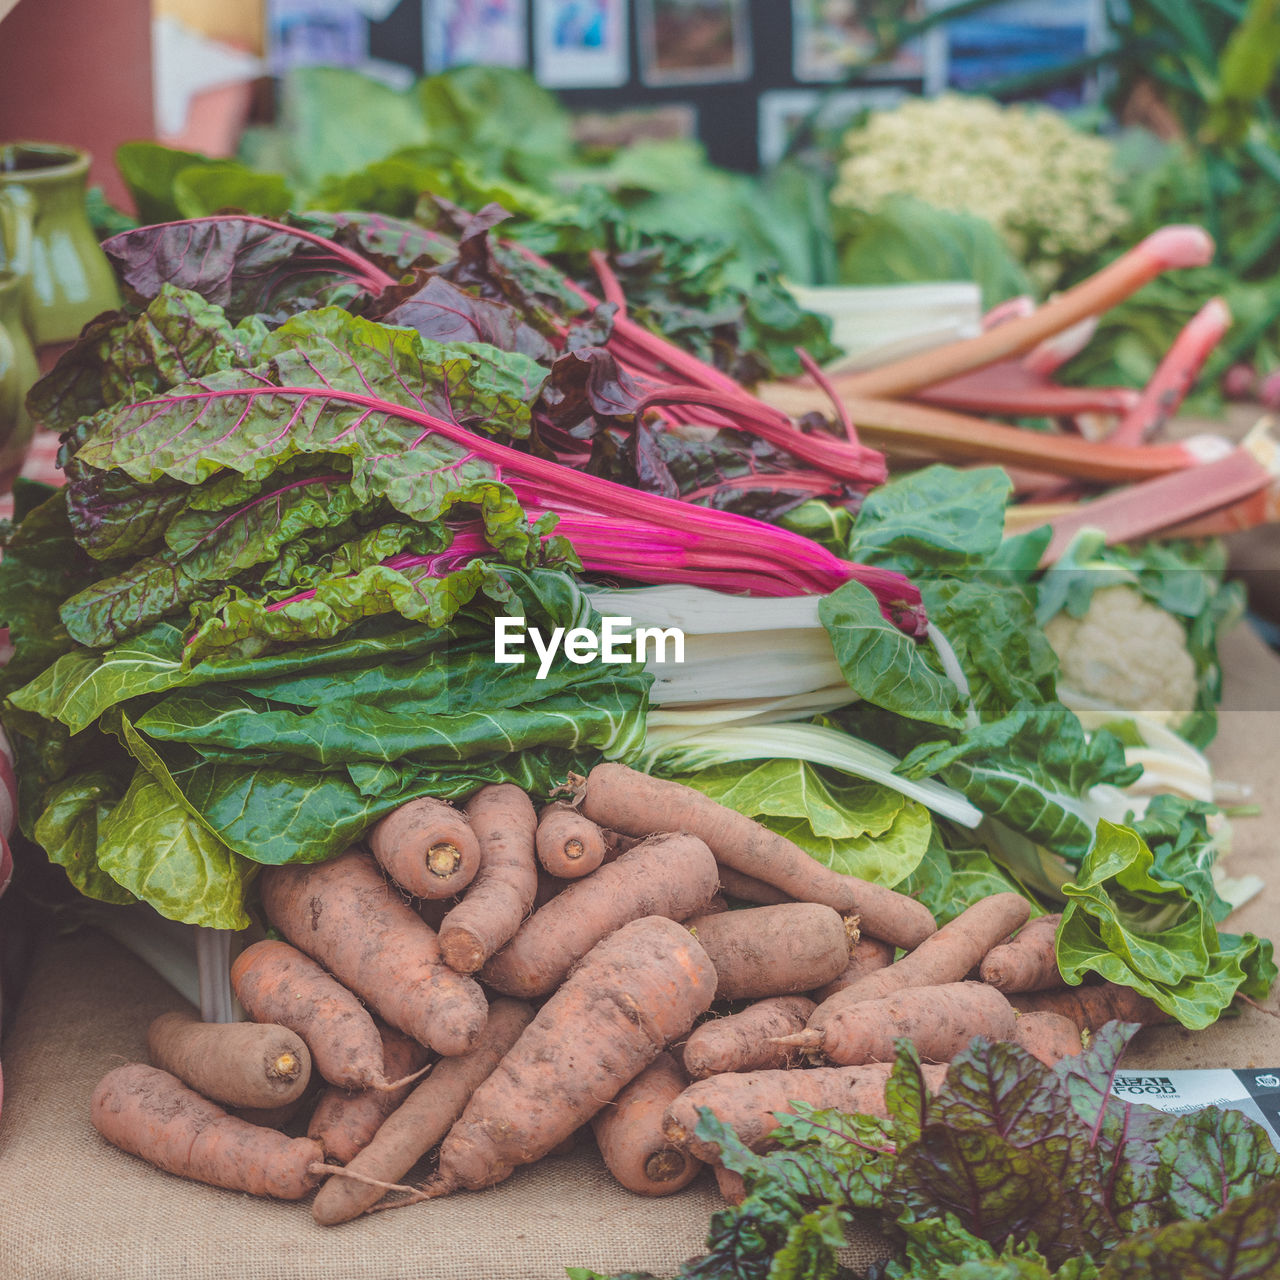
(1011, 1171)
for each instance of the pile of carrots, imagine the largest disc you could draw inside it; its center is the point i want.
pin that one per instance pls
(489, 981)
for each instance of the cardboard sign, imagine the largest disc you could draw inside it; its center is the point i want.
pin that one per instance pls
(1255, 1092)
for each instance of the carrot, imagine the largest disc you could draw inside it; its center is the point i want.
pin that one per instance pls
(749, 889)
(631, 996)
(629, 1132)
(940, 1020)
(672, 876)
(344, 1122)
(278, 983)
(868, 955)
(1089, 1007)
(750, 1102)
(569, 843)
(1029, 962)
(746, 1041)
(427, 847)
(946, 957)
(773, 951)
(242, 1064)
(637, 804)
(423, 1119)
(345, 916)
(1048, 1036)
(153, 1115)
(503, 891)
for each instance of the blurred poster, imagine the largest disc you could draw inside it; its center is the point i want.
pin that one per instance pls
(308, 33)
(693, 41)
(490, 32)
(1023, 38)
(784, 111)
(834, 39)
(581, 44)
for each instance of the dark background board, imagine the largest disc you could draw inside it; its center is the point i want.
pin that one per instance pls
(727, 113)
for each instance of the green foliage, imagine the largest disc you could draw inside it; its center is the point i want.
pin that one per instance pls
(1012, 1171)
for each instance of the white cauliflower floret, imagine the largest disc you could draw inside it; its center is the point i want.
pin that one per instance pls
(1125, 652)
(1046, 186)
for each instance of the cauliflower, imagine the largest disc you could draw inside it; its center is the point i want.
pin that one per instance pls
(1125, 652)
(1045, 186)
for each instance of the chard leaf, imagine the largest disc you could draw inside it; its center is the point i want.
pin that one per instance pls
(392, 243)
(1212, 1156)
(245, 265)
(851, 826)
(153, 848)
(881, 664)
(938, 519)
(444, 313)
(68, 830)
(204, 550)
(1033, 770)
(1240, 1243)
(1132, 926)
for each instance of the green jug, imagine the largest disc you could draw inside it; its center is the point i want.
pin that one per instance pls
(18, 371)
(45, 237)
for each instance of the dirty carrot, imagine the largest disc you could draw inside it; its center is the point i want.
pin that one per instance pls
(427, 847)
(1089, 1007)
(629, 1132)
(153, 1115)
(241, 1064)
(502, 894)
(940, 1021)
(278, 983)
(629, 998)
(569, 844)
(637, 804)
(947, 956)
(1047, 1036)
(868, 955)
(773, 951)
(345, 1121)
(673, 876)
(422, 1120)
(1027, 963)
(346, 916)
(749, 1102)
(745, 1041)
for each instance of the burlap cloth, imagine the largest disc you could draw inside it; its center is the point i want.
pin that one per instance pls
(74, 1208)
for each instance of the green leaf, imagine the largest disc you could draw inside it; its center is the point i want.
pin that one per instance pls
(149, 170)
(855, 827)
(937, 519)
(68, 830)
(1130, 926)
(200, 190)
(1240, 1243)
(882, 665)
(153, 848)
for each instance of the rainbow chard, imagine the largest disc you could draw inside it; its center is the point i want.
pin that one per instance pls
(408, 427)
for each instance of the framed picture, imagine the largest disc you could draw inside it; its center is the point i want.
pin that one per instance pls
(581, 44)
(783, 111)
(308, 33)
(1021, 38)
(693, 41)
(833, 39)
(489, 32)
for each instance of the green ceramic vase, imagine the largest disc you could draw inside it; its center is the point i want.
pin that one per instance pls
(17, 372)
(45, 237)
